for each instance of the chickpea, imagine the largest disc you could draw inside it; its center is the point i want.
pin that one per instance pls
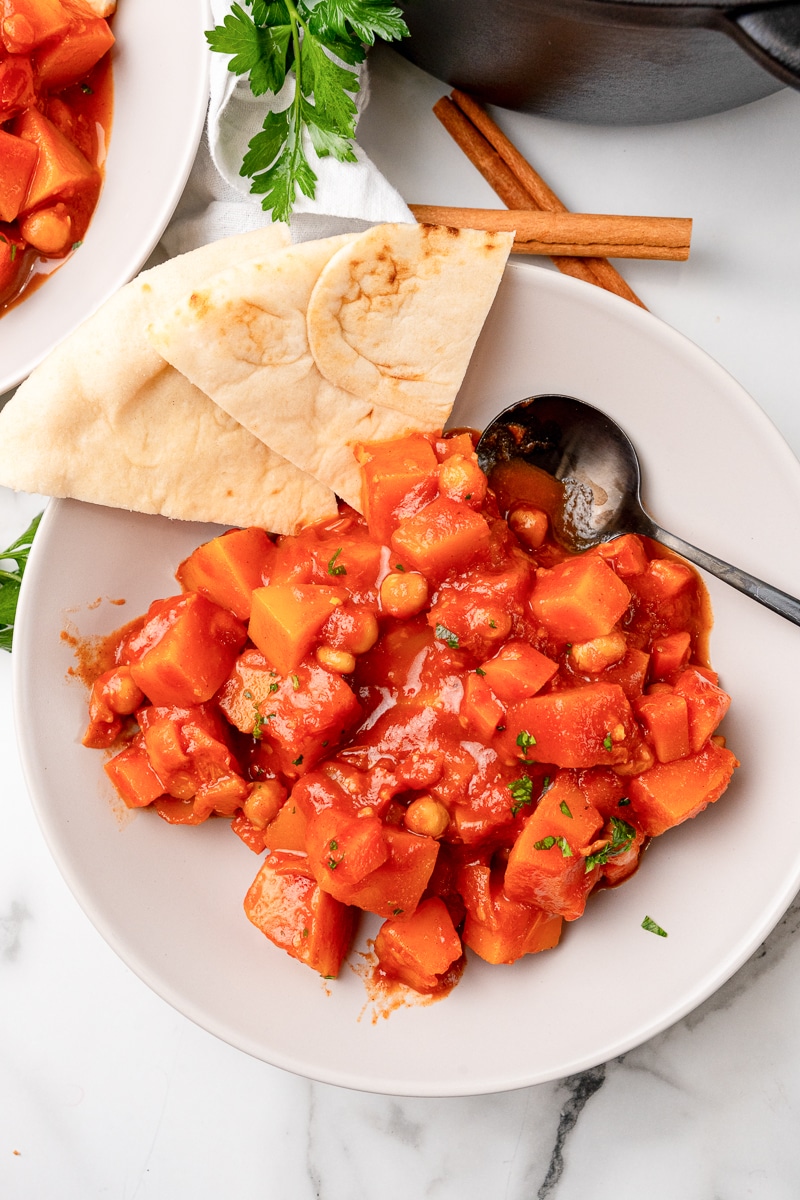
(599, 653)
(529, 524)
(427, 816)
(340, 661)
(48, 230)
(460, 478)
(264, 802)
(404, 594)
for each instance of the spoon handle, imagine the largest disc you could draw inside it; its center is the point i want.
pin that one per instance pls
(771, 597)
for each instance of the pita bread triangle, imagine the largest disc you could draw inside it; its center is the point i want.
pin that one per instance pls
(105, 419)
(273, 342)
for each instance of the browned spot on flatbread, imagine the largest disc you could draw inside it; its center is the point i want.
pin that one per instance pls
(200, 303)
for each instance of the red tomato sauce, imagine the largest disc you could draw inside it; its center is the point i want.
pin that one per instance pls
(56, 104)
(428, 713)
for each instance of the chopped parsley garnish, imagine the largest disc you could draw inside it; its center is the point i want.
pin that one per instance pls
(525, 740)
(273, 687)
(10, 580)
(295, 683)
(479, 671)
(622, 837)
(297, 761)
(399, 567)
(317, 43)
(607, 743)
(623, 802)
(650, 925)
(335, 568)
(522, 791)
(547, 843)
(445, 635)
(565, 808)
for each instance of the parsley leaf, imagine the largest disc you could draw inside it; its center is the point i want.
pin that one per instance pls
(445, 635)
(525, 740)
(547, 843)
(335, 568)
(622, 836)
(316, 44)
(522, 791)
(10, 581)
(650, 925)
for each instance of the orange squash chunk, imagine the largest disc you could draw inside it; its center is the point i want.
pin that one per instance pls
(672, 792)
(185, 650)
(443, 535)
(419, 948)
(395, 475)
(575, 727)
(286, 618)
(290, 908)
(59, 64)
(579, 599)
(229, 568)
(518, 671)
(500, 930)
(547, 865)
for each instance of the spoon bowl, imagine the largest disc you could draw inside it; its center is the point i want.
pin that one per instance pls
(598, 496)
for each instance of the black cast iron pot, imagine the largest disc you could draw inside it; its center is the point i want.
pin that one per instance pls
(611, 62)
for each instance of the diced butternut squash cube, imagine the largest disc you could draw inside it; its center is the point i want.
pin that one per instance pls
(19, 159)
(665, 718)
(296, 718)
(66, 61)
(547, 863)
(397, 477)
(61, 171)
(350, 844)
(133, 776)
(286, 618)
(185, 650)
(418, 949)
(707, 704)
(27, 23)
(500, 930)
(579, 599)
(397, 885)
(229, 568)
(442, 536)
(480, 709)
(625, 554)
(574, 727)
(670, 654)
(518, 671)
(17, 90)
(673, 792)
(289, 908)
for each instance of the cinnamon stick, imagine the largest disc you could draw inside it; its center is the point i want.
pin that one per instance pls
(516, 182)
(591, 235)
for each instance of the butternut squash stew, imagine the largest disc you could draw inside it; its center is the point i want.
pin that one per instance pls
(55, 120)
(431, 713)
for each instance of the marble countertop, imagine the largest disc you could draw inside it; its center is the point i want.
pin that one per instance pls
(106, 1091)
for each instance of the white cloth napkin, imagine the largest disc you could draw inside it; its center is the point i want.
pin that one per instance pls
(217, 200)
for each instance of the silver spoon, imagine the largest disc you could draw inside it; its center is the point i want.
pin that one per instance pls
(598, 467)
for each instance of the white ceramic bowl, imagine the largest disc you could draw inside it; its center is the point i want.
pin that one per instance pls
(170, 900)
(160, 98)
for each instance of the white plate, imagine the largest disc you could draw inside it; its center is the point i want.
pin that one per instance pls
(160, 98)
(170, 900)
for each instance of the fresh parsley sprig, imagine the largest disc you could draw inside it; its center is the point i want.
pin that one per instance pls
(317, 43)
(10, 581)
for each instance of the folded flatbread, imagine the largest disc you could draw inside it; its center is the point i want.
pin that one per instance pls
(265, 339)
(107, 420)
